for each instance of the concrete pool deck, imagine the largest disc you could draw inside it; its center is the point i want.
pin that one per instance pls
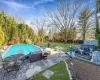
(36, 67)
(4, 53)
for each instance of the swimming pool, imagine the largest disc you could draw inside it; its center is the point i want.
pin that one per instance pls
(25, 48)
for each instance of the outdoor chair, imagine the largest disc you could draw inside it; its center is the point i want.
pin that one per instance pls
(35, 56)
(46, 53)
(12, 64)
(79, 51)
(23, 61)
(8, 69)
(86, 51)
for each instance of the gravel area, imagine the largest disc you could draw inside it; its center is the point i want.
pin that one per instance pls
(82, 70)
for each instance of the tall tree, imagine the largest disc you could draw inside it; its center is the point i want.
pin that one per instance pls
(72, 34)
(13, 32)
(25, 32)
(97, 24)
(64, 16)
(1, 36)
(41, 34)
(40, 27)
(97, 6)
(86, 22)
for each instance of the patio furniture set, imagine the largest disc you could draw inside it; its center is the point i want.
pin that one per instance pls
(84, 51)
(16, 62)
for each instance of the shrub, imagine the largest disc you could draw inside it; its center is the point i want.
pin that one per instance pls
(1, 36)
(11, 42)
(27, 41)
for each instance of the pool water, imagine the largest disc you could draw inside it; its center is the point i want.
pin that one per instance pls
(24, 48)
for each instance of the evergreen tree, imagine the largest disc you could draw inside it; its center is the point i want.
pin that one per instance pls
(85, 22)
(1, 36)
(97, 24)
(13, 32)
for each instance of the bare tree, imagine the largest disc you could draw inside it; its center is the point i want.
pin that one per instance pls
(64, 16)
(40, 27)
(38, 24)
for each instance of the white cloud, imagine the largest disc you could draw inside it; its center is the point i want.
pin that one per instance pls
(42, 1)
(14, 5)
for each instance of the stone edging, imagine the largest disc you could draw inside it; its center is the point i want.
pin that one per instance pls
(6, 51)
(70, 76)
(37, 46)
(98, 64)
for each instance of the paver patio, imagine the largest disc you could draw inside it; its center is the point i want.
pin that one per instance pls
(35, 67)
(48, 74)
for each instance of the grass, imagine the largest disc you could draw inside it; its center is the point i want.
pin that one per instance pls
(60, 73)
(54, 44)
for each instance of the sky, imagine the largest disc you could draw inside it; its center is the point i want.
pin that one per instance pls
(28, 10)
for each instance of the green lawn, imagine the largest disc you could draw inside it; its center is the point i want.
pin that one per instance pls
(60, 73)
(54, 44)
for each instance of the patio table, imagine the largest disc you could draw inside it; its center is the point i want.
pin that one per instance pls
(13, 62)
(14, 57)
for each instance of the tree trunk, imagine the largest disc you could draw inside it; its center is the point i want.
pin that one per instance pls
(65, 40)
(84, 30)
(84, 36)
